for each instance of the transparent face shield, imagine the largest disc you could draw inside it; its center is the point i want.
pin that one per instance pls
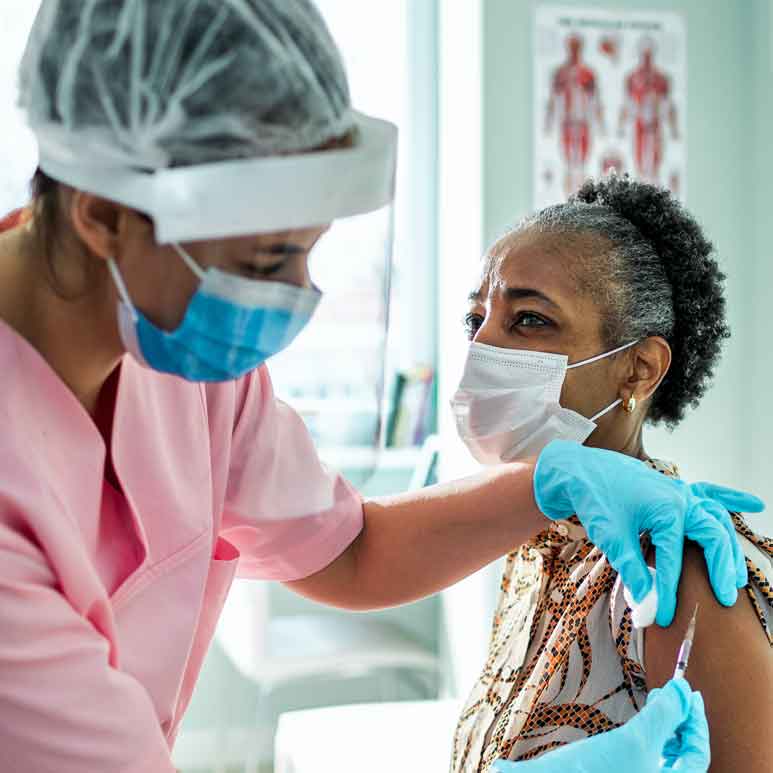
(333, 372)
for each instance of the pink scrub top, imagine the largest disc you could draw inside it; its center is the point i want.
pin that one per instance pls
(109, 595)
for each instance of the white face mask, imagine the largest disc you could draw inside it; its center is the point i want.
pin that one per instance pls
(507, 405)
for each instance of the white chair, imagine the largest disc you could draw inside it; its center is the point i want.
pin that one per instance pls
(377, 738)
(278, 652)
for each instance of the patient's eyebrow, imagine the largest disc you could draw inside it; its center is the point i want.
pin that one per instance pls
(526, 293)
(516, 294)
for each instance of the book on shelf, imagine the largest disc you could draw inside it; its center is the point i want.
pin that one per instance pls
(410, 407)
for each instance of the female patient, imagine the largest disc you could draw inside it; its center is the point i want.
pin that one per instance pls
(623, 270)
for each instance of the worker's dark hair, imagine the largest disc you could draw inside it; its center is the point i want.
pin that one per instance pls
(655, 275)
(45, 198)
(49, 224)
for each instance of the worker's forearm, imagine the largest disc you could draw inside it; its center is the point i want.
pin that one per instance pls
(418, 543)
(415, 544)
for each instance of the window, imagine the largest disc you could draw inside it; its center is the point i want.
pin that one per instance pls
(389, 49)
(18, 153)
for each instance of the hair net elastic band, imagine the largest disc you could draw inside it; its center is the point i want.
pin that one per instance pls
(238, 198)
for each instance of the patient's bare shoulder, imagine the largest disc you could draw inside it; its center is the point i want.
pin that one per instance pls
(731, 664)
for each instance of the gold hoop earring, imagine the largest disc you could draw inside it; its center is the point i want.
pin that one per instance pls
(630, 404)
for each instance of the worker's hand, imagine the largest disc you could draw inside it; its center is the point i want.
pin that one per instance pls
(617, 498)
(689, 749)
(669, 733)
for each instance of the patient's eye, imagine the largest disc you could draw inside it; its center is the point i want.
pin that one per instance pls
(530, 319)
(472, 323)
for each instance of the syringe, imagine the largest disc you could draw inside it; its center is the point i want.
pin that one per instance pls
(684, 651)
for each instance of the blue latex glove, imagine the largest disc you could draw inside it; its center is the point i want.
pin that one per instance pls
(617, 497)
(669, 733)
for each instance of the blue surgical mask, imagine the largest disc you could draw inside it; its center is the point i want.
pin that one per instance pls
(231, 326)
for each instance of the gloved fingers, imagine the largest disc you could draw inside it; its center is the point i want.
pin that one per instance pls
(680, 686)
(666, 709)
(689, 750)
(550, 492)
(669, 551)
(643, 613)
(733, 500)
(739, 559)
(634, 573)
(671, 752)
(702, 527)
(696, 757)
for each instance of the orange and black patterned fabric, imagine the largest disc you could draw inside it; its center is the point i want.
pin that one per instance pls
(565, 661)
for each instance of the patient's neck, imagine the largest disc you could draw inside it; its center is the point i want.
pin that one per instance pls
(635, 448)
(630, 443)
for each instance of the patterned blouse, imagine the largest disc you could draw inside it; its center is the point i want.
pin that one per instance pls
(565, 661)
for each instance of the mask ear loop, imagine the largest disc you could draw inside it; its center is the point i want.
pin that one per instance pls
(603, 356)
(606, 410)
(598, 357)
(122, 289)
(195, 268)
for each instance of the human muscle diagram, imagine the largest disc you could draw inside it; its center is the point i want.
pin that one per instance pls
(610, 96)
(574, 96)
(647, 106)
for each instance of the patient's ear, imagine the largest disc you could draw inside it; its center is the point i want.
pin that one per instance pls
(649, 362)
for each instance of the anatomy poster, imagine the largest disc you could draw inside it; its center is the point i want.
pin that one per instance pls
(610, 92)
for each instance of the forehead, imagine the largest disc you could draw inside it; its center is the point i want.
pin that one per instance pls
(297, 236)
(293, 235)
(530, 259)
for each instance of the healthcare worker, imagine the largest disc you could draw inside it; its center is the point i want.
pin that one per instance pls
(194, 154)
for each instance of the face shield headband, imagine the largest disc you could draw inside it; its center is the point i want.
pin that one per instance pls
(242, 198)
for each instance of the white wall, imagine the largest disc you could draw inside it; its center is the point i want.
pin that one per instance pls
(18, 152)
(756, 368)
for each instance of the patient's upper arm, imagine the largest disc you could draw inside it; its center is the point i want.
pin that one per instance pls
(731, 664)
